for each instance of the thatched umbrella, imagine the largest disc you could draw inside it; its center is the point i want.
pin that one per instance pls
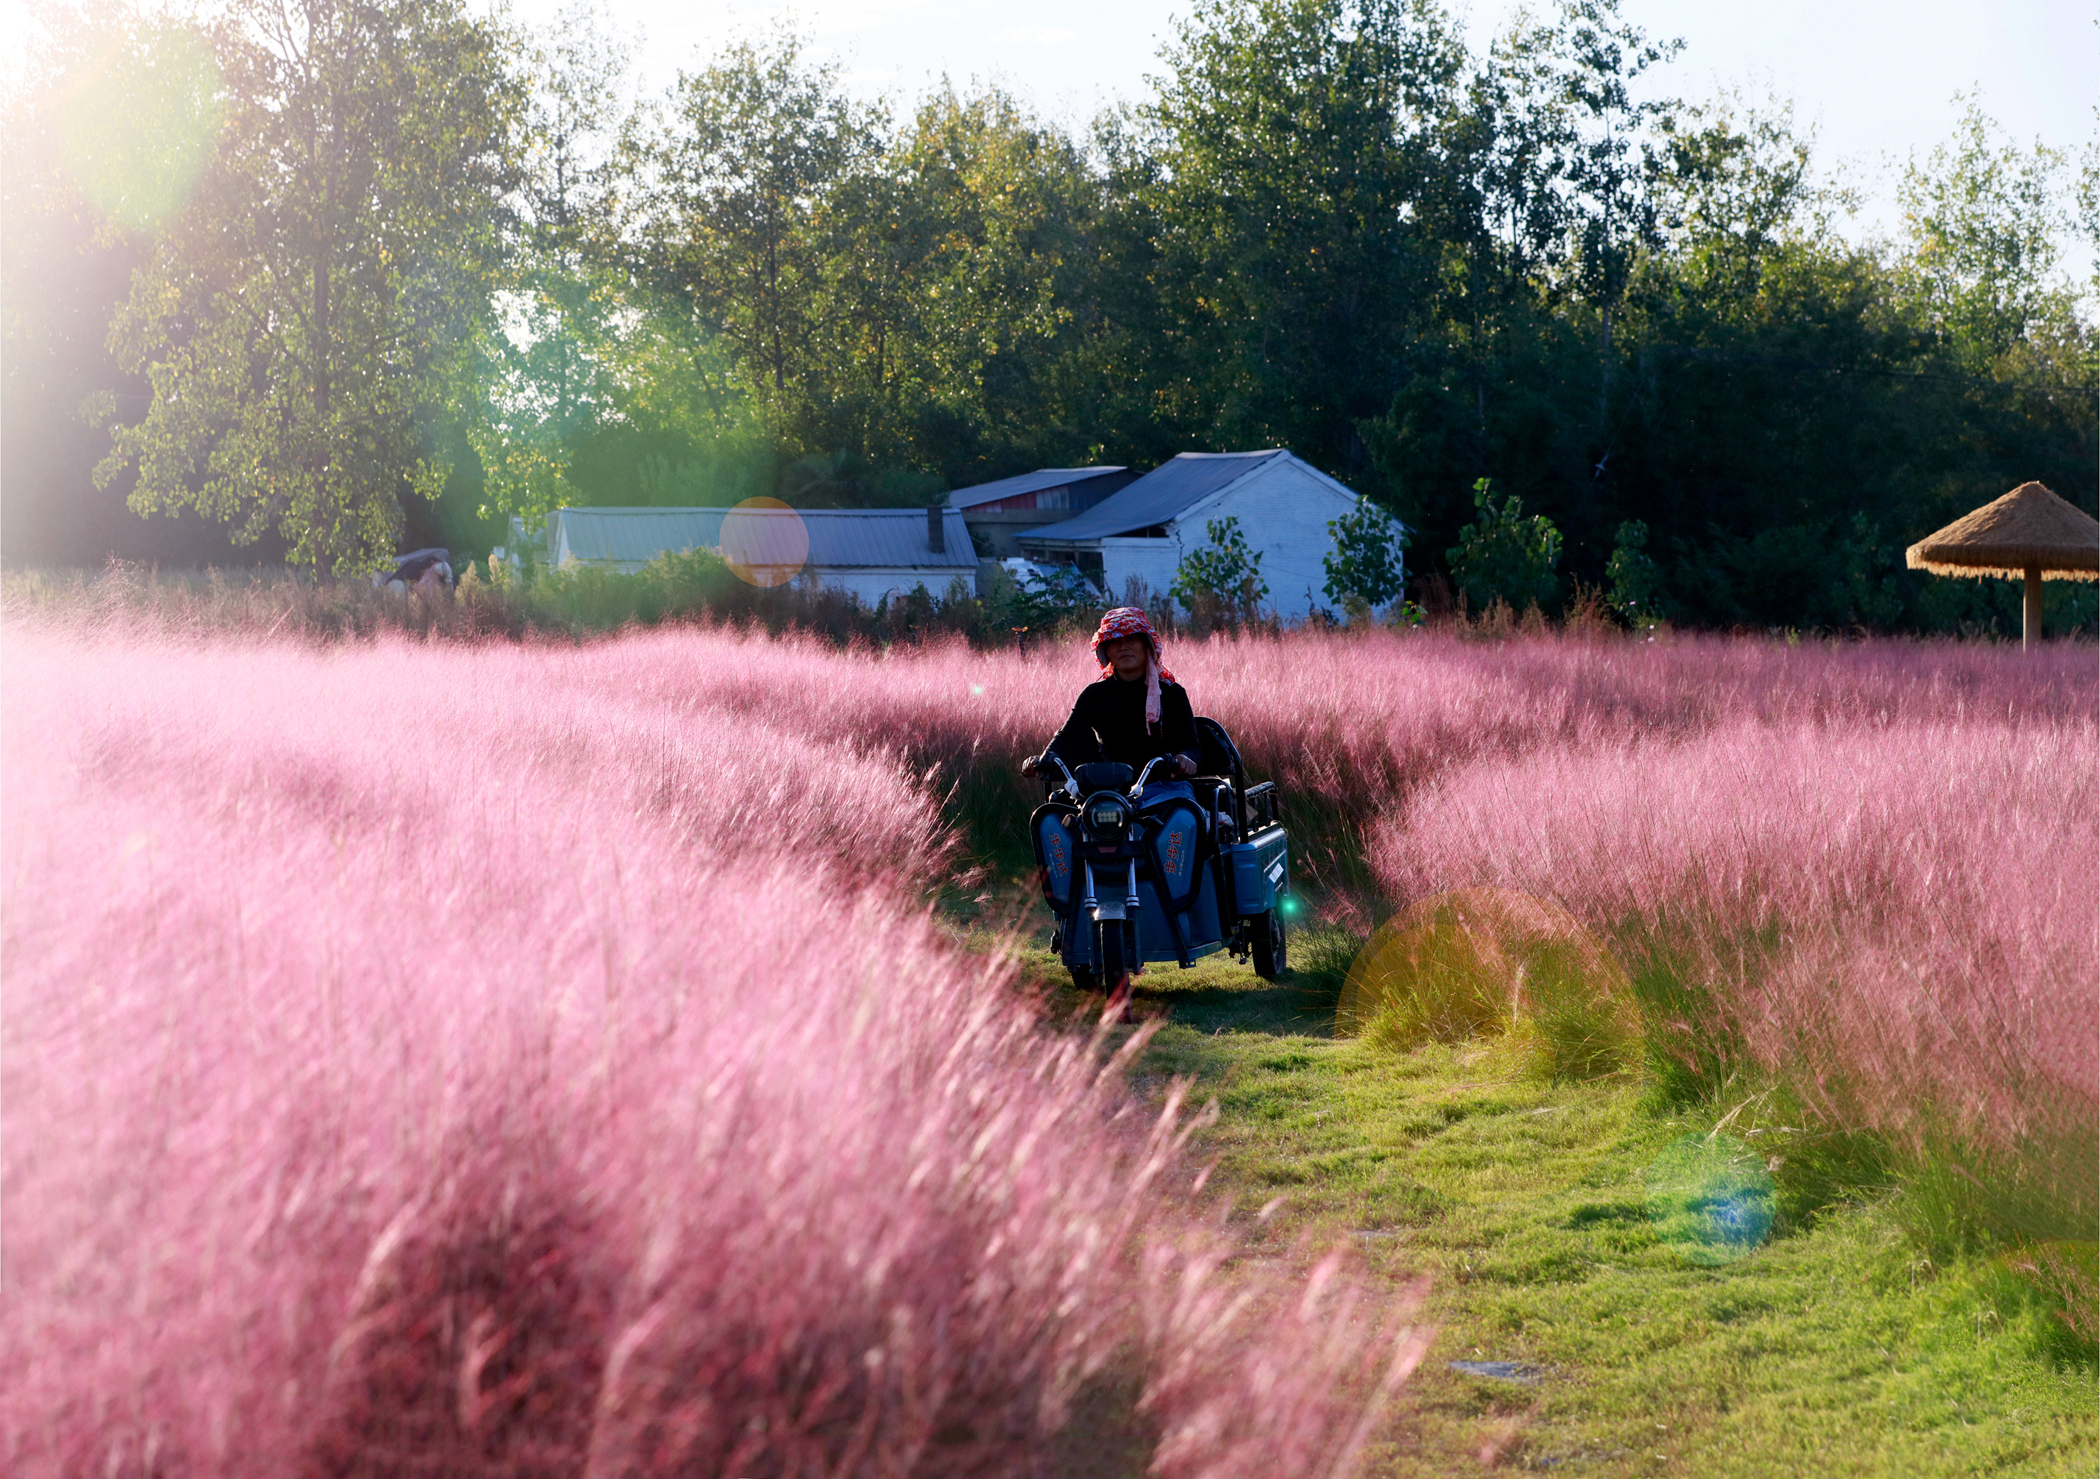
(2030, 534)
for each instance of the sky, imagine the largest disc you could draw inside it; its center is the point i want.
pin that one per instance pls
(1879, 80)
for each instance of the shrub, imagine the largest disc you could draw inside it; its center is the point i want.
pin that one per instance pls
(1503, 556)
(1222, 581)
(1364, 570)
(1634, 576)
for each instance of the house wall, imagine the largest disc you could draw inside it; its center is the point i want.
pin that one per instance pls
(1283, 511)
(1155, 560)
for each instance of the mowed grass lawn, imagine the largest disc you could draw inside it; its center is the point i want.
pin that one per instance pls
(1835, 1349)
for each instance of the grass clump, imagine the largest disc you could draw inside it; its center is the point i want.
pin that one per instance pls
(1499, 967)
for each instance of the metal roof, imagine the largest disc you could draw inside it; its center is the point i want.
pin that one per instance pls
(839, 538)
(1159, 497)
(1027, 482)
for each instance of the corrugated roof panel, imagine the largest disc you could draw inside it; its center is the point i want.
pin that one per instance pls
(765, 536)
(886, 537)
(1027, 482)
(838, 537)
(1159, 497)
(635, 536)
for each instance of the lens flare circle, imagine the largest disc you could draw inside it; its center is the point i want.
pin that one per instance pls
(765, 542)
(1710, 1199)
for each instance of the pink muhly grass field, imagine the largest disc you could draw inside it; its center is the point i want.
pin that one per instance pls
(1347, 723)
(536, 1061)
(1900, 918)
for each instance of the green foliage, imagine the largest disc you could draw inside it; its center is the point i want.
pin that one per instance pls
(898, 298)
(1504, 556)
(1291, 201)
(554, 351)
(1221, 581)
(953, 287)
(1366, 567)
(305, 316)
(753, 146)
(1983, 218)
(138, 132)
(1633, 575)
(1044, 601)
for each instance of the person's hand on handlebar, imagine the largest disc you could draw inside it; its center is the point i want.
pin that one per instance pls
(1184, 765)
(1031, 764)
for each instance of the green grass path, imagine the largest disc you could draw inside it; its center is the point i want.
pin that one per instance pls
(1832, 1350)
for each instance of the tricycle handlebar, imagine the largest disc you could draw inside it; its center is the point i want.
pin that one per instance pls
(1146, 774)
(1071, 781)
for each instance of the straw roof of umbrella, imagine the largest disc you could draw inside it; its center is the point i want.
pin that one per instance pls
(2029, 526)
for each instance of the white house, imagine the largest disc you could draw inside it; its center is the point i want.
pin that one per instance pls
(1283, 506)
(871, 553)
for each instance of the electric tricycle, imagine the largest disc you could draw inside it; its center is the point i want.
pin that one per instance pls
(1175, 880)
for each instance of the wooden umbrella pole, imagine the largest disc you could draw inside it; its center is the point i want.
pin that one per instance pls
(2031, 608)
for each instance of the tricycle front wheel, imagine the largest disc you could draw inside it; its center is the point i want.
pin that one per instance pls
(1115, 967)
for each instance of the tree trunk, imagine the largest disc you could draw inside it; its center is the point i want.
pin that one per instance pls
(323, 356)
(1604, 381)
(2031, 608)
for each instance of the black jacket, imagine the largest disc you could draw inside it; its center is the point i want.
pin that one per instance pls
(1108, 723)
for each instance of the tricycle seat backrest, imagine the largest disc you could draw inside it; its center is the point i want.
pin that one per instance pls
(1216, 754)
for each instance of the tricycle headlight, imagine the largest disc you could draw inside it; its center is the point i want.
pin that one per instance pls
(1108, 814)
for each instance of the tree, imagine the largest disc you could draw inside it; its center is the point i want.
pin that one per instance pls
(1613, 161)
(1982, 217)
(755, 144)
(1633, 575)
(62, 273)
(1366, 568)
(1295, 141)
(1737, 189)
(305, 319)
(1504, 556)
(953, 262)
(1042, 600)
(1221, 581)
(551, 351)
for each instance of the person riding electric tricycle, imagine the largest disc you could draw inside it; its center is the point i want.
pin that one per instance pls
(1152, 846)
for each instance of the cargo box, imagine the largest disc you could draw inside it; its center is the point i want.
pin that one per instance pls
(1261, 872)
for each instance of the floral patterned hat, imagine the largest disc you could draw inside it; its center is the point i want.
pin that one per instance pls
(1129, 621)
